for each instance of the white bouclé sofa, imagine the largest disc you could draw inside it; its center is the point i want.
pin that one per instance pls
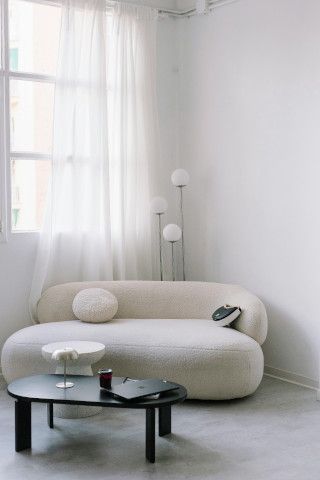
(161, 329)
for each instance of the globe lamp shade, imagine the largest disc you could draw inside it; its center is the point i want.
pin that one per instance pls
(180, 178)
(172, 232)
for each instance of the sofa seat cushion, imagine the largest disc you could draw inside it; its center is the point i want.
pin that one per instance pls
(212, 362)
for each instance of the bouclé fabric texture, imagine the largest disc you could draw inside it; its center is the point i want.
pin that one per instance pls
(94, 305)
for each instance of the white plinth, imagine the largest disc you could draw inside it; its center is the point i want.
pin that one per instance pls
(89, 353)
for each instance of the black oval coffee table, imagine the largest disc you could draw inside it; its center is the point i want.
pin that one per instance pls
(86, 391)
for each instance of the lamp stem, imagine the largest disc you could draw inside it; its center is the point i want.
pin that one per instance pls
(172, 260)
(182, 235)
(160, 248)
(65, 374)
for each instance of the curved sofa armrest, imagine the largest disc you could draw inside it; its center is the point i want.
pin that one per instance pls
(253, 320)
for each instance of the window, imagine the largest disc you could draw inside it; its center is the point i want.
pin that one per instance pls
(29, 59)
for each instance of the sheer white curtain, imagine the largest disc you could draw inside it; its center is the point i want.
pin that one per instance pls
(133, 133)
(97, 223)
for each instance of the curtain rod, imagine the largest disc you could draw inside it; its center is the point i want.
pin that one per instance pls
(162, 11)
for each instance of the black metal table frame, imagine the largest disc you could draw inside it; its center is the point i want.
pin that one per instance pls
(23, 425)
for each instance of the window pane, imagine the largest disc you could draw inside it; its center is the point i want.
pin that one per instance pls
(31, 116)
(29, 183)
(34, 31)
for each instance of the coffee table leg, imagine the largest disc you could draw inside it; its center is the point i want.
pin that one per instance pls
(50, 414)
(150, 434)
(164, 421)
(23, 425)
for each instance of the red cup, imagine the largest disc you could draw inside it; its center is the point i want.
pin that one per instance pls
(105, 377)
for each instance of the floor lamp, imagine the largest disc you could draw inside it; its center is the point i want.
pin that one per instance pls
(180, 178)
(172, 233)
(159, 206)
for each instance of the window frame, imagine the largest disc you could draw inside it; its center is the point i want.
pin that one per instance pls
(6, 154)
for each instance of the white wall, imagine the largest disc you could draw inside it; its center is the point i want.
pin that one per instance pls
(249, 132)
(16, 267)
(168, 101)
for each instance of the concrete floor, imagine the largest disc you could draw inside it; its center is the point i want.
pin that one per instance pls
(272, 435)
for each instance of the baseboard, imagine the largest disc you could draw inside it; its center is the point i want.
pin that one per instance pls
(291, 377)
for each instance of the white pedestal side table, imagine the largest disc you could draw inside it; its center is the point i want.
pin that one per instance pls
(89, 353)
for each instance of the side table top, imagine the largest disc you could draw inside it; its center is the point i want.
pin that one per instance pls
(89, 352)
(83, 347)
(86, 391)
